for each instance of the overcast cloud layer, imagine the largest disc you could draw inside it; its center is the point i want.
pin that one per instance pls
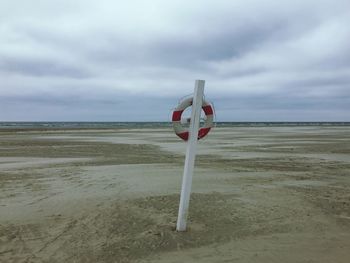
(132, 60)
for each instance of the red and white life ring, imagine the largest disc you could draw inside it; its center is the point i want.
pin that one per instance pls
(183, 132)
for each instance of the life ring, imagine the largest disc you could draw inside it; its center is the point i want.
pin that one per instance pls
(183, 132)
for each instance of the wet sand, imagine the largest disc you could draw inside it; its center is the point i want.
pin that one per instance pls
(260, 194)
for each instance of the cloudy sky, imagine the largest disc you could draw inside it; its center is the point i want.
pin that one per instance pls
(108, 60)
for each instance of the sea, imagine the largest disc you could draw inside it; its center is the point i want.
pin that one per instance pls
(136, 125)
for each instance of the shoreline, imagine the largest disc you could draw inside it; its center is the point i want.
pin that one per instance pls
(261, 194)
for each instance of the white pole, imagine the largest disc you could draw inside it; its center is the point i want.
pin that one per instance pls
(190, 155)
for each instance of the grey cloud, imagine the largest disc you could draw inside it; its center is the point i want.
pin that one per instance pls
(261, 59)
(46, 107)
(39, 67)
(284, 102)
(320, 82)
(190, 51)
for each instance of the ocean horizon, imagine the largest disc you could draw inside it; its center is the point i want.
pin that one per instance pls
(144, 124)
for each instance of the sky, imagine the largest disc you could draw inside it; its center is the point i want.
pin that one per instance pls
(107, 60)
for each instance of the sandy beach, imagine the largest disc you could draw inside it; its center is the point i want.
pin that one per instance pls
(260, 194)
